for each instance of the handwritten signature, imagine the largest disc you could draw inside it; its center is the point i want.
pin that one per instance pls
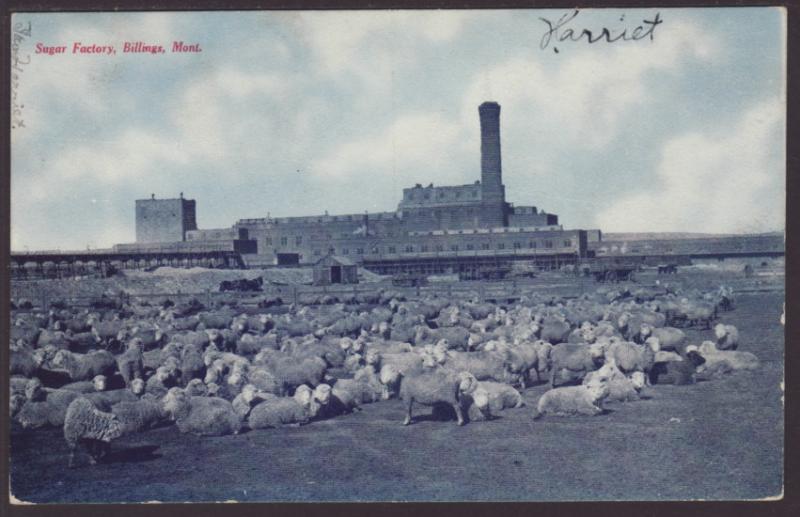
(558, 31)
(18, 64)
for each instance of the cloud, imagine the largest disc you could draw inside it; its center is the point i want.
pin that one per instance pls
(728, 180)
(584, 98)
(416, 146)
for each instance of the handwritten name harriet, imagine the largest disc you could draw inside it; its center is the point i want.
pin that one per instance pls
(562, 30)
(128, 47)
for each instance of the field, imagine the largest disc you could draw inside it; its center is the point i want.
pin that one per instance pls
(719, 439)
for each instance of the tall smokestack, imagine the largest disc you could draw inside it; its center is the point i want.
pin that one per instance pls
(491, 171)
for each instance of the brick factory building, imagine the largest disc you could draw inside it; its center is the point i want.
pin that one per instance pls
(466, 229)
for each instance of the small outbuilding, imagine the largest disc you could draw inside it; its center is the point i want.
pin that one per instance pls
(333, 269)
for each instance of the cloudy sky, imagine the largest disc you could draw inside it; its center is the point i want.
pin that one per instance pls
(295, 113)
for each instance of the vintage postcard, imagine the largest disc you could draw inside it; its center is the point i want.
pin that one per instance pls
(397, 255)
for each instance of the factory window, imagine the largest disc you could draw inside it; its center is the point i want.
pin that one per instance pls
(375, 250)
(454, 247)
(284, 241)
(567, 244)
(532, 245)
(501, 245)
(409, 248)
(439, 247)
(360, 251)
(298, 240)
(424, 248)
(548, 244)
(517, 245)
(485, 246)
(345, 251)
(470, 247)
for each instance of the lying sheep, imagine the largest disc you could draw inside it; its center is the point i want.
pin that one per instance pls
(85, 424)
(99, 383)
(203, 416)
(727, 336)
(500, 396)
(572, 400)
(43, 406)
(733, 359)
(630, 357)
(677, 372)
(247, 398)
(140, 415)
(275, 412)
(621, 388)
(82, 367)
(669, 338)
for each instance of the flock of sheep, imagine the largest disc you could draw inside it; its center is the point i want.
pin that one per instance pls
(118, 369)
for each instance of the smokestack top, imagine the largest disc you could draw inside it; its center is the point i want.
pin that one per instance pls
(489, 105)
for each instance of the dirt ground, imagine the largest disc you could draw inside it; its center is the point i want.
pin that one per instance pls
(720, 439)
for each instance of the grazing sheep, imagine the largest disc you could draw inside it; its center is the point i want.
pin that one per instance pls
(275, 412)
(82, 367)
(130, 363)
(572, 400)
(677, 372)
(727, 336)
(203, 416)
(85, 424)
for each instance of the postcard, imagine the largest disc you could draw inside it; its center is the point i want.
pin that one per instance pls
(397, 255)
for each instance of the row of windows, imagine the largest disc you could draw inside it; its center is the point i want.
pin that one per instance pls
(424, 248)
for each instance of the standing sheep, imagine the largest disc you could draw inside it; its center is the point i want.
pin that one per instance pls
(85, 424)
(436, 386)
(83, 367)
(130, 363)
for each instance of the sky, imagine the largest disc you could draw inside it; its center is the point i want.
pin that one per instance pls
(298, 112)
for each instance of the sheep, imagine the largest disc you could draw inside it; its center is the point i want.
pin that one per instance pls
(82, 367)
(247, 398)
(98, 383)
(733, 359)
(203, 416)
(291, 374)
(44, 406)
(436, 386)
(499, 396)
(85, 424)
(572, 400)
(677, 372)
(554, 331)
(669, 338)
(105, 400)
(158, 384)
(630, 357)
(727, 336)
(24, 362)
(620, 387)
(192, 364)
(275, 412)
(130, 363)
(485, 366)
(574, 359)
(140, 415)
(195, 388)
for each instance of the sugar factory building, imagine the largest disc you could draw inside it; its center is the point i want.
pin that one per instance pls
(466, 229)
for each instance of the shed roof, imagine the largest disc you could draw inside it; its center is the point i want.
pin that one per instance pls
(334, 260)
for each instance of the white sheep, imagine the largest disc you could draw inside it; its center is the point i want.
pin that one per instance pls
(130, 363)
(275, 412)
(572, 400)
(140, 415)
(85, 424)
(83, 367)
(715, 358)
(620, 387)
(727, 336)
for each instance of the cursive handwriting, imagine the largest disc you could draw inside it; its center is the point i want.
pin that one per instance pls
(20, 33)
(558, 31)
